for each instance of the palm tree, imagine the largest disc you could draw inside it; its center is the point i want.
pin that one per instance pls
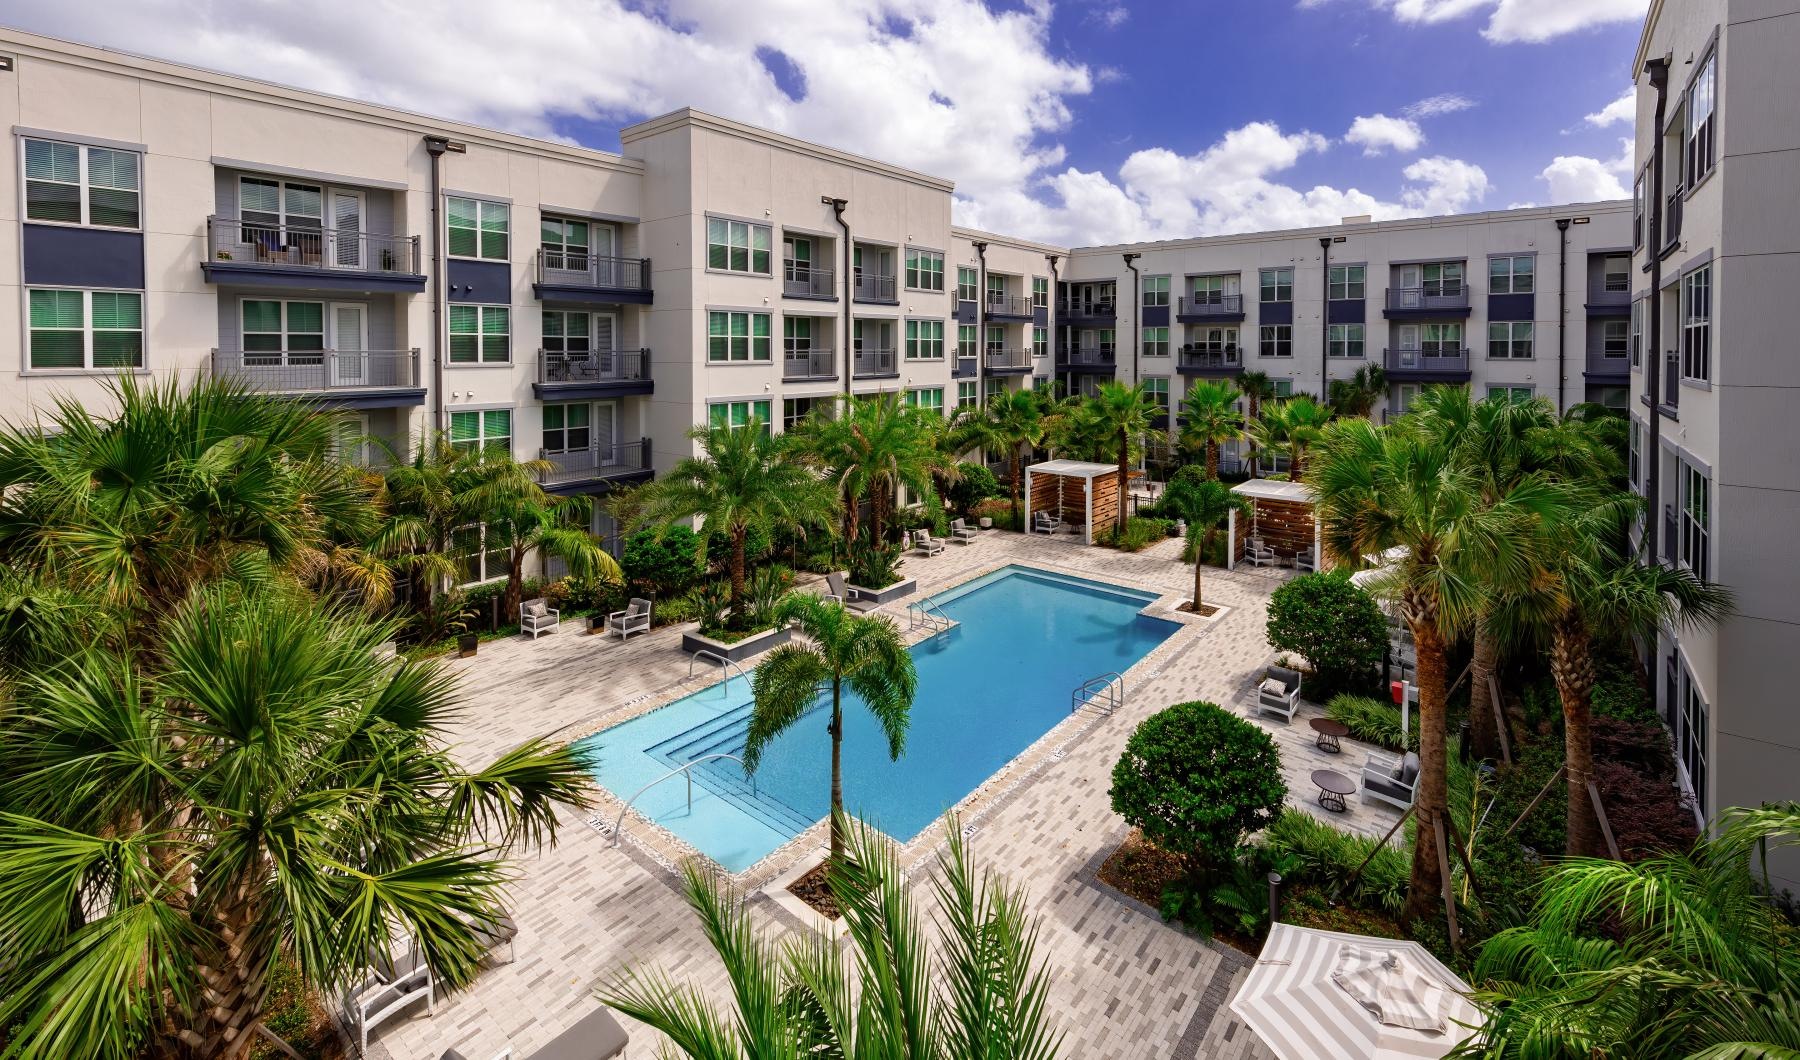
(1121, 412)
(258, 786)
(1257, 388)
(1289, 427)
(1357, 395)
(864, 651)
(985, 995)
(1204, 505)
(1377, 490)
(423, 511)
(746, 479)
(1211, 418)
(517, 515)
(1008, 423)
(1675, 956)
(871, 448)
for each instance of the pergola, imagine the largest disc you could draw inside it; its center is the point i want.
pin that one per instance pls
(1283, 517)
(1064, 486)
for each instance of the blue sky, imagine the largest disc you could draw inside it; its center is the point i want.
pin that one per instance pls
(1077, 121)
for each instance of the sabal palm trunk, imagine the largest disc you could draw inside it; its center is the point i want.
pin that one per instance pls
(1431, 796)
(1124, 479)
(1572, 668)
(235, 988)
(1212, 459)
(837, 768)
(1014, 473)
(739, 535)
(1484, 728)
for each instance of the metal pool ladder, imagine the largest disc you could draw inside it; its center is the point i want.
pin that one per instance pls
(1105, 693)
(927, 613)
(685, 770)
(726, 666)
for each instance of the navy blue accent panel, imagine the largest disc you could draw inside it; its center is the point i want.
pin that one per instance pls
(1618, 378)
(1347, 311)
(1609, 309)
(1429, 313)
(550, 292)
(1156, 316)
(965, 312)
(597, 485)
(488, 282)
(1275, 313)
(252, 275)
(581, 391)
(1514, 307)
(1425, 375)
(84, 257)
(1040, 315)
(397, 398)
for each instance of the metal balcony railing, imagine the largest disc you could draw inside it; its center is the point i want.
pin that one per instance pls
(1008, 305)
(871, 362)
(1598, 294)
(1444, 296)
(597, 461)
(873, 288)
(1429, 358)
(810, 363)
(322, 371)
(964, 366)
(1210, 304)
(1096, 309)
(806, 281)
(1002, 358)
(1206, 358)
(572, 268)
(1093, 356)
(586, 367)
(233, 241)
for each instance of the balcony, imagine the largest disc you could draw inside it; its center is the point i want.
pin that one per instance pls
(1101, 312)
(1604, 303)
(597, 468)
(1441, 301)
(251, 254)
(965, 366)
(1008, 307)
(1092, 360)
(873, 288)
(565, 276)
(800, 280)
(358, 379)
(808, 365)
(1431, 363)
(592, 374)
(1209, 308)
(1206, 361)
(1006, 360)
(874, 363)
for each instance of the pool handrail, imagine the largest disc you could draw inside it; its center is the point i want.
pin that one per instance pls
(619, 822)
(1110, 685)
(927, 610)
(726, 665)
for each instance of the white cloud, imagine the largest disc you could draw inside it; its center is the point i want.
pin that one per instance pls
(1444, 185)
(1512, 21)
(1442, 103)
(1578, 178)
(1378, 133)
(1623, 109)
(1110, 16)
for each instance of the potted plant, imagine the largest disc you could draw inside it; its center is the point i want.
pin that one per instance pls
(466, 644)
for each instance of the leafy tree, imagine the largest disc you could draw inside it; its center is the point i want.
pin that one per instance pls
(424, 512)
(1337, 627)
(865, 652)
(974, 484)
(517, 515)
(1211, 418)
(869, 449)
(667, 563)
(1204, 505)
(1121, 413)
(1288, 427)
(1257, 388)
(1008, 423)
(1357, 395)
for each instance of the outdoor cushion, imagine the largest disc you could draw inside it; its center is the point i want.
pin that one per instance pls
(596, 1037)
(536, 609)
(1409, 768)
(1273, 686)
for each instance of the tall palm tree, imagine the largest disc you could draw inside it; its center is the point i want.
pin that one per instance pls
(1377, 490)
(870, 448)
(504, 495)
(1204, 505)
(746, 479)
(1211, 418)
(863, 651)
(1289, 427)
(1357, 395)
(1257, 388)
(1009, 423)
(1675, 956)
(258, 785)
(423, 511)
(984, 995)
(1121, 413)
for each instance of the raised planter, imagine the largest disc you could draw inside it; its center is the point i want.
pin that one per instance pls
(738, 651)
(877, 597)
(466, 644)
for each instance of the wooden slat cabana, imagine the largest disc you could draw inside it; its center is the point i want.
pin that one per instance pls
(1284, 518)
(1071, 490)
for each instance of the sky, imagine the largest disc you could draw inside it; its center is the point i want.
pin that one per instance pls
(1077, 122)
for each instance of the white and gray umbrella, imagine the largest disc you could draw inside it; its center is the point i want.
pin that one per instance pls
(1326, 995)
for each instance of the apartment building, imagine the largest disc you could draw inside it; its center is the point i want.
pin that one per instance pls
(1003, 313)
(1716, 261)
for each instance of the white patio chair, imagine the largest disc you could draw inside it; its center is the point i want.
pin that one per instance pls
(926, 545)
(1259, 553)
(1279, 692)
(1391, 778)
(962, 533)
(1045, 523)
(537, 616)
(386, 989)
(634, 619)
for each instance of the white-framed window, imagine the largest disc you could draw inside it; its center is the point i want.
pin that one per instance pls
(1156, 291)
(1512, 274)
(1696, 520)
(1510, 340)
(568, 242)
(994, 385)
(1515, 394)
(293, 209)
(1404, 396)
(1105, 339)
(968, 281)
(573, 331)
(1277, 284)
(924, 340)
(797, 335)
(1615, 338)
(1277, 340)
(477, 228)
(1702, 96)
(1696, 324)
(77, 184)
(282, 331)
(1040, 292)
(735, 336)
(574, 427)
(1617, 398)
(1156, 342)
(489, 430)
(1284, 388)
(966, 394)
(1444, 339)
(480, 334)
(79, 330)
(1693, 739)
(996, 289)
(480, 556)
(1345, 340)
(1347, 282)
(1634, 458)
(350, 439)
(1615, 274)
(1213, 290)
(1156, 391)
(926, 397)
(1637, 333)
(1639, 196)
(967, 342)
(1441, 278)
(1040, 341)
(1214, 340)
(795, 410)
(924, 270)
(737, 246)
(737, 414)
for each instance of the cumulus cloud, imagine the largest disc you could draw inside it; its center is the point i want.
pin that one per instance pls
(1433, 106)
(1512, 21)
(1578, 178)
(1444, 185)
(1623, 109)
(1378, 133)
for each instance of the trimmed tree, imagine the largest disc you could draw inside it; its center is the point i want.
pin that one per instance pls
(1336, 625)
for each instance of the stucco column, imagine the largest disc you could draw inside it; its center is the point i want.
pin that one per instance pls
(1230, 539)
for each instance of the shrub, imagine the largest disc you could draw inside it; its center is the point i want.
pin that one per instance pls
(873, 567)
(1619, 694)
(759, 542)
(668, 565)
(1325, 856)
(975, 483)
(584, 596)
(1336, 625)
(1372, 721)
(1140, 533)
(767, 586)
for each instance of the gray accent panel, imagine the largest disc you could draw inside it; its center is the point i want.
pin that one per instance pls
(65, 256)
(342, 180)
(966, 312)
(1512, 307)
(487, 282)
(1155, 316)
(78, 138)
(479, 195)
(1040, 315)
(1275, 312)
(1347, 311)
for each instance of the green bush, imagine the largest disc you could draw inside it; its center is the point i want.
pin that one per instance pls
(1618, 694)
(1325, 856)
(767, 586)
(585, 596)
(974, 484)
(662, 566)
(875, 567)
(1372, 721)
(759, 542)
(1338, 628)
(1140, 533)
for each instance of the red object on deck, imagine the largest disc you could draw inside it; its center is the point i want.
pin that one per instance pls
(1397, 689)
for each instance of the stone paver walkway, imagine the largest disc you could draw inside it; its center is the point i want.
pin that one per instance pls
(1125, 984)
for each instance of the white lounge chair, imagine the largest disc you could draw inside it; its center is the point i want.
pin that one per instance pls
(1259, 553)
(1391, 778)
(961, 533)
(386, 989)
(537, 616)
(596, 1036)
(634, 619)
(926, 545)
(1045, 523)
(1279, 692)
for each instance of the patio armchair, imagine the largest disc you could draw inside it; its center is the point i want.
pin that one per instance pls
(596, 1036)
(537, 616)
(1306, 560)
(387, 988)
(503, 930)
(1258, 553)
(1045, 523)
(1391, 778)
(926, 545)
(962, 533)
(837, 589)
(634, 619)
(1279, 692)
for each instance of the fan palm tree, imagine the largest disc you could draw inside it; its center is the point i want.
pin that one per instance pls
(1357, 395)
(258, 786)
(1289, 427)
(1204, 505)
(516, 514)
(983, 996)
(1257, 388)
(1675, 956)
(871, 448)
(1377, 490)
(1210, 418)
(1009, 423)
(1121, 413)
(745, 479)
(864, 652)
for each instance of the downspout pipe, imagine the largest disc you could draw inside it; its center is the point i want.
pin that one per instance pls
(1051, 320)
(1562, 313)
(1137, 329)
(435, 146)
(844, 345)
(981, 298)
(1324, 319)
(1658, 71)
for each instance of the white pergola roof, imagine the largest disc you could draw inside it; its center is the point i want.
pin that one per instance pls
(1275, 490)
(1074, 469)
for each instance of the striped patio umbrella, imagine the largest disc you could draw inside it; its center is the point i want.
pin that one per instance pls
(1326, 995)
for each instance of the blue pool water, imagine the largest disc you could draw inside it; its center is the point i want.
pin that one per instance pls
(987, 690)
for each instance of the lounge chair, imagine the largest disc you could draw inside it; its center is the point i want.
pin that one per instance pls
(961, 533)
(1259, 553)
(1045, 523)
(1279, 692)
(537, 616)
(501, 931)
(386, 989)
(634, 619)
(926, 545)
(596, 1036)
(1391, 778)
(1305, 560)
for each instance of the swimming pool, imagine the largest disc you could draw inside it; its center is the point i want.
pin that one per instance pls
(988, 689)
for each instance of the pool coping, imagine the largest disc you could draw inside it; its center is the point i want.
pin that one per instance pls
(668, 850)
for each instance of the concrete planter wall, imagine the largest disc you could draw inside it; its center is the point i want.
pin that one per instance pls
(755, 644)
(877, 597)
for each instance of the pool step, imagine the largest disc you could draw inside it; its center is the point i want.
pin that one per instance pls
(724, 734)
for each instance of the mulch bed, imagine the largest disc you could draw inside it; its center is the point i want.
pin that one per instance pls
(1204, 610)
(813, 889)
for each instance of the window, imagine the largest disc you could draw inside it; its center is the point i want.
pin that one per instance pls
(737, 246)
(965, 340)
(1347, 282)
(281, 332)
(736, 414)
(996, 337)
(1638, 196)
(924, 270)
(80, 185)
(1345, 340)
(994, 385)
(1637, 333)
(1277, 285)
(477, 228)
(924, 340)
(568, 428)
(996, 289)
(1040, 342)
(1616, 398)
(293, 214)
(1213, 290)
(1156, 391)
(1156, 291)
(1156, 342)
(967, 280)
(1511, 275)
(486, 430)
(797, 334)
(1284, 388)
(1696, 324)
(1698, 156)
(795, 410)
(1441, 339)
(965, 394)
(1091, 298)
(1635, 455)
(1694, 738)
(1615, 274)
(480, 556)
(480, 334)
(1443, 278)
(930, 397)
(1404, 396)
(1040, 292)
(1277, 340)
(568, 331)
(1696, 520)
(1518, 395)
(86, 329)
(1615, 338)
(737, 337)
(566, 243)
(1218, 341)
(1510, 340)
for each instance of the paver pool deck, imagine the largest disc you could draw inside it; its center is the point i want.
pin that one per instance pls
(1125, 984)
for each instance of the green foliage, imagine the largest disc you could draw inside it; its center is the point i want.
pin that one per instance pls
(1140, 533)
(662, 565)
(1372, 721)
(874, 567)
(1620, 695)
(767, 586)
(1327, 856)
(974, 483)
(585, 596)
(1336, 625)
(294, 1014)
(1234, 897)
(712, 604)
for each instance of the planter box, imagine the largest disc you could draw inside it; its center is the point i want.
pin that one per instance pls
(754, 644)
(876, 597)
